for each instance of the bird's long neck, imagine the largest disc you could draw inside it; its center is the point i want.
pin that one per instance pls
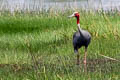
(79, 29)
(78, 24)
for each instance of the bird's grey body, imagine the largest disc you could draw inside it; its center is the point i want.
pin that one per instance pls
(81, 38)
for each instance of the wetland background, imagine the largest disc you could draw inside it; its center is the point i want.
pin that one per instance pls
(36, 39)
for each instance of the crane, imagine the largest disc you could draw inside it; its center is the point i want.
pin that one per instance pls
(80, 38)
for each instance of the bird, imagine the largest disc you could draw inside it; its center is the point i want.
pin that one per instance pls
(81, 38)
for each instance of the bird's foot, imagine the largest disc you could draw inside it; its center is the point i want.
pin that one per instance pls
(85, 62)
(77, 63)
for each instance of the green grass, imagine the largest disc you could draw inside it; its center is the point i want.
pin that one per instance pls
(40, 47)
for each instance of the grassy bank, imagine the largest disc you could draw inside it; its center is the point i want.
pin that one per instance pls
(40, 47)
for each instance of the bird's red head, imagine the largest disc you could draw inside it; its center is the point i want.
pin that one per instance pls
(77, 15)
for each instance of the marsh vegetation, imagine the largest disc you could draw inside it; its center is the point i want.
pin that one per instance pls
(39, 46)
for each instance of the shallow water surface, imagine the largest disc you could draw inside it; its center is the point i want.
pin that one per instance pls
(38, 5)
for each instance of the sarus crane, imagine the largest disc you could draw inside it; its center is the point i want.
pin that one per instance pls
(80, 38)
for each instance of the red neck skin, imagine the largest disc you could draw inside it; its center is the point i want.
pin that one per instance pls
(78, 20)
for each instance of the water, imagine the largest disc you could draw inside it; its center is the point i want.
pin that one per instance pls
(56, 5)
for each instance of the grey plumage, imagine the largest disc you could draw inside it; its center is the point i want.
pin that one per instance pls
(81, 38)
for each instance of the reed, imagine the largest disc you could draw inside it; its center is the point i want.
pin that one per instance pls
(39, 6)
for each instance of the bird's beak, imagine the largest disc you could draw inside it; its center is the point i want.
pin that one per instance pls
(71, 16)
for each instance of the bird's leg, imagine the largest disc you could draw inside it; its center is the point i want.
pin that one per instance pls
(85, 67)
(85, 56)
(77, 53)
(78, 60)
